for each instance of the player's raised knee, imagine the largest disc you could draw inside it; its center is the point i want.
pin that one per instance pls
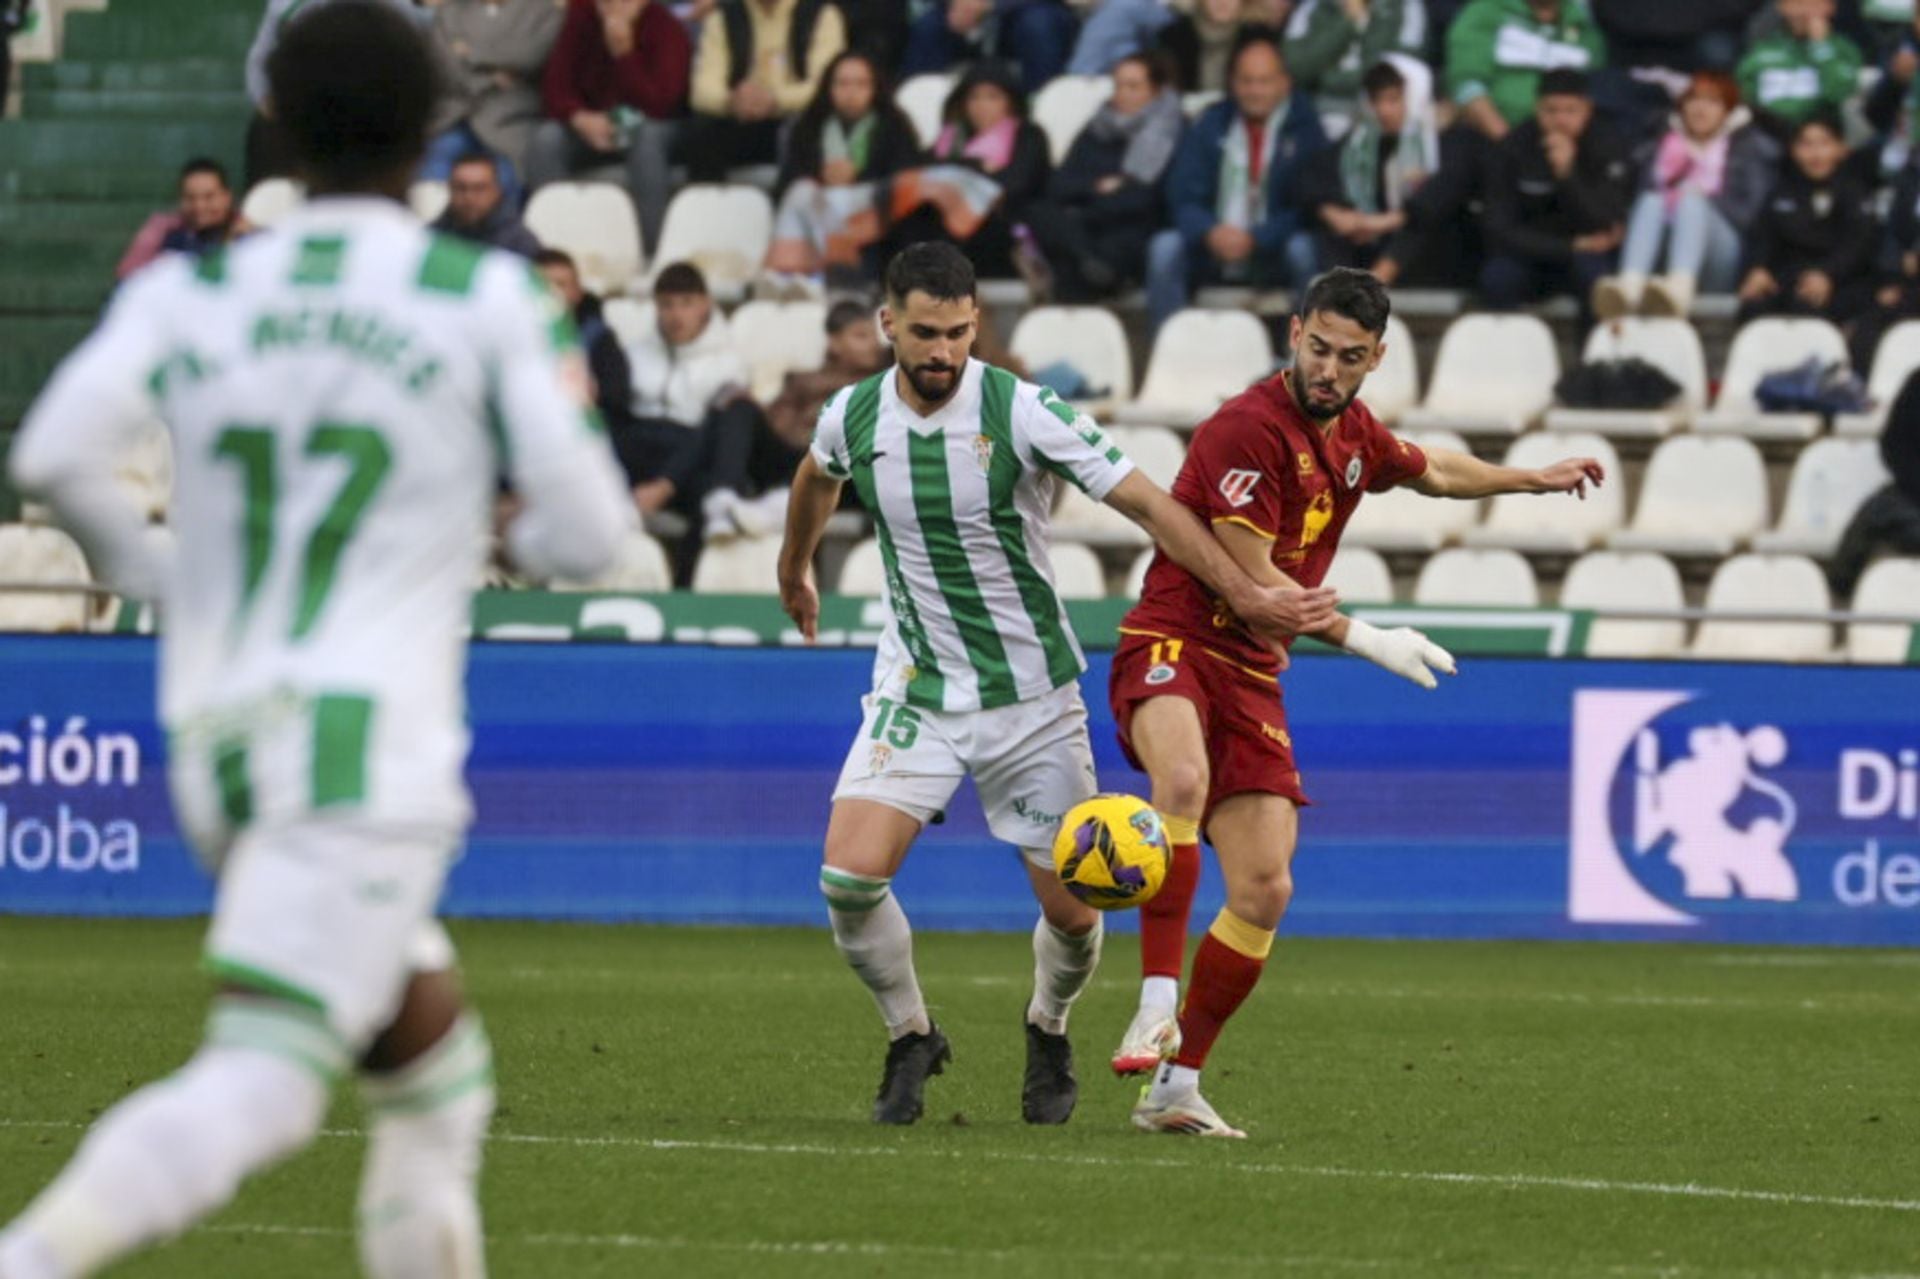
(1180, 788)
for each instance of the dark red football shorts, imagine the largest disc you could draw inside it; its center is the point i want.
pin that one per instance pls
(1248, 745)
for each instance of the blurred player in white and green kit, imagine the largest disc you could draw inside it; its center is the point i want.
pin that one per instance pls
(342, 395)
(977, 672)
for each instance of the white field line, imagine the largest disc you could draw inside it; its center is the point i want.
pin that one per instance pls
(1504, 1181)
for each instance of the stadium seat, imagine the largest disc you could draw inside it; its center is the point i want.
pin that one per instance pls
(640, 565)
(863, 572)
(1360, 576)
(1699, 497)
(1763, 347)
(738, 566)
(1078, 518)
(629, 319)
(1634, 580)
(778, 338)
(924, 99)
(1831, 479)
(1550, 523)
(31, 554)
(1894, 361)
(1890, 588)
(1394, 387)
(722, 229)
(1670, 345)
(1077, 572)
(1494, 376)
(1403, 520)
(1137, 573)
(1091, 339)
(1200, 360)
(1199, 100)
(427, 198)
(1157, 451)
(1786, 584)
(1064, 106)
(145, 467)
(595, 222)
(1491, 579)
(271, 200)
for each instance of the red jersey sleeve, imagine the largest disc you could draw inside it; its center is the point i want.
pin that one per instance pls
(1393, 461)
(1233, 471)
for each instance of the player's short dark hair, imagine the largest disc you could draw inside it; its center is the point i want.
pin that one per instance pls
(351, 85)
(845, 312)
(1565, 82)
(1356, 295)
(1380, 77)
(555, 257)
(678, 280)
(208, 165)
(933, 267)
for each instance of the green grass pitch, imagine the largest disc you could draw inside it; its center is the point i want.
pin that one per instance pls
(694, 1102)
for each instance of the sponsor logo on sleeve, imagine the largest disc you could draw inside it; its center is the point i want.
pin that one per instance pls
(1237, 486)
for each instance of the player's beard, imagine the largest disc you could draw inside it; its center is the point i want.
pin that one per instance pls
(1318, 410)
(932, 391)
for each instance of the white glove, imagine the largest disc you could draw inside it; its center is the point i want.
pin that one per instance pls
(1402, 650)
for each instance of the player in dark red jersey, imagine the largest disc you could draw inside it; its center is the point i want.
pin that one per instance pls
(1278, 471)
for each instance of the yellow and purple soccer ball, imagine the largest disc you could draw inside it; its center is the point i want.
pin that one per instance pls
(1112, 852)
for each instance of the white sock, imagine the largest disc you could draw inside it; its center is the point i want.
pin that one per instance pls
(419, 1212)
(1173, 1081)
(1160, 995)
(877, 942)
(177, 1150)
(1063, 963)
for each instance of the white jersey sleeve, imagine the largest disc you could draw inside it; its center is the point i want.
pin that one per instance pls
(1069, 444)
(552, 443)
(88, 416)
(829, 445)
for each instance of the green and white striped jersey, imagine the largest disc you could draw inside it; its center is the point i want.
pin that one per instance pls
(342, 394)
(960, 503)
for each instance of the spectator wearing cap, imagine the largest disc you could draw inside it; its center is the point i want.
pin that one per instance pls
(614, 87)
(495, 50)
(204, 219)
(477, 208)
(760, 63)
(1236, 186)
(1557, 200)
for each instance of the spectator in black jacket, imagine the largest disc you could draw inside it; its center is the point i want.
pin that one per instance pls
(606, 358)
(1897, 295)
(477, 208)
(1811, 253)
(1104, 201)
(1677, 35)
(1889, 521)
(1557, 199)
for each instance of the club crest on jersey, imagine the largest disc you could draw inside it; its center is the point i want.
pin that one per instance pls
(1353, 473)
(1159, 675)
(1237, 486)
(1306, 463)
(879, 757)
(983, 452)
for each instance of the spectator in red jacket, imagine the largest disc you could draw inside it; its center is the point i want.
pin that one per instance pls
(615, 83)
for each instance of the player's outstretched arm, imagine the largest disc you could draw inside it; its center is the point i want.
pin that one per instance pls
(1461, 475)
(1269, 603)
(814, 497)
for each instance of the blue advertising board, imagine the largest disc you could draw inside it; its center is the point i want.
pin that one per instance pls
(1543, 799)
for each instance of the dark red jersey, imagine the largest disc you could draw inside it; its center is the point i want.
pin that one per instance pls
(1260, 462)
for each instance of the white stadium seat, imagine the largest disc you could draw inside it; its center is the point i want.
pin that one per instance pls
(738, 566)
(1637, 580)
(924, 99)
(1494, 376)
(1064, 106)
(1670, 345)
(1078, 518)
(31, 554)
(1491, 579)
(863, 572)
(271, 200)
(595, 223)
(1403, 520)
(1894, 361)
(1786, 584)
(1889, 588)
(1360, 576)
(1699, 497)
(1137, 573)
(427, 198)
(639, 565)
(778, 338)
(1157, 451)
(723, 229)
(1763, 347)
(1552, 523)
(1831, 479)
(1090, 338)
(629, 318)
(1200, 360)
(145, 467)
(1077, 572)
(1394, 387)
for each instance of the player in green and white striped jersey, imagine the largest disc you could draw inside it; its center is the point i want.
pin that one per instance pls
(342, 394)
(977, 672)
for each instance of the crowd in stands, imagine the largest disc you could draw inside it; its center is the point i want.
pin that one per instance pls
(1631, 155)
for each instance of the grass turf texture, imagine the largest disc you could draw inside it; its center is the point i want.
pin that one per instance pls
(694, 1102)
